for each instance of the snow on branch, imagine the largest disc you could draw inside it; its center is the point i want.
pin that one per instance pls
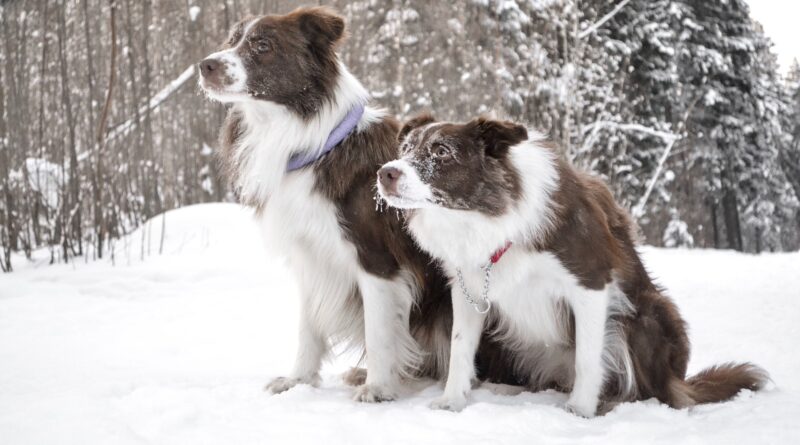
(629, 127)
(668, 137)
(154, 102)
(638, 211)
(588, 31)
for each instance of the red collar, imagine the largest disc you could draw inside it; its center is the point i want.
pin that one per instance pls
(500, 252)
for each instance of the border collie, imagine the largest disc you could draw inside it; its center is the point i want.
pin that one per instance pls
(301, 145)
(544, 253)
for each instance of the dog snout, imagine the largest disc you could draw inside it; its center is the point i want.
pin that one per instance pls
(210, 67)
(389, 177)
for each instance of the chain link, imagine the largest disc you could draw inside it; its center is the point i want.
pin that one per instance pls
(484, 301)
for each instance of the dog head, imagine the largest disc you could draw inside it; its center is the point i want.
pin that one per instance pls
(455, 166)
(286, 59)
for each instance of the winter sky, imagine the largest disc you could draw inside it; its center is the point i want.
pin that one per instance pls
(779, 18)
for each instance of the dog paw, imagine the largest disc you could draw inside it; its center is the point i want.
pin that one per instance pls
(449, 404)
(355, 377)
(373, 394)
(282, 384)
(586, 410)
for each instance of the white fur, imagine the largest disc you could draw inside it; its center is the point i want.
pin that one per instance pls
(387, 306)
(413, 193)
(466, 335)
(441, 231)
(273, 133)
(528, 292)
(234, 68)
(590, 309)
(304, 225)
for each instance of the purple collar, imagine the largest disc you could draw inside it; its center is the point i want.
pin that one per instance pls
(300, 160)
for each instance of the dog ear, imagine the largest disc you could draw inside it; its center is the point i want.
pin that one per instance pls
(321, 25)
(414, 122)
(498, 136)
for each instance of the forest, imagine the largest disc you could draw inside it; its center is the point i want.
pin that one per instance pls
(678, 104)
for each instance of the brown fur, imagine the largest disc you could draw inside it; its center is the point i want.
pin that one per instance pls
(302, 49)
(478, 174)
(290, 58)
(593, 238)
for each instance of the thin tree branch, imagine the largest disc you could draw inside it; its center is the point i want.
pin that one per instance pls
(638, 211)
(588, 31)
(154, 102)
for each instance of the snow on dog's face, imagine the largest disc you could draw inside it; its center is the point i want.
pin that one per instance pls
(286, 59)
(455, 166)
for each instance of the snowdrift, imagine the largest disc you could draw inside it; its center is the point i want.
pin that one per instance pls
(172, 342)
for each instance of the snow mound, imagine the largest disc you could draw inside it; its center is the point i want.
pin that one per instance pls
(175, 347)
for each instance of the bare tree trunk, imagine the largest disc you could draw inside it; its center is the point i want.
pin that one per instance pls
(42, 69)
(15, 54)
(73, 207)
(715, 224)
(140, 158)
(89, 64)
(7, 226)
(156, 206)
(730, 211)
(99, 183)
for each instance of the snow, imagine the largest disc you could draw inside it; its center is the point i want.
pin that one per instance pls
(47, 179)
(194, 11)
(151, 106)
(677, 232)
(712, 97)
(595, 26)
(455, 26)
(175, 348)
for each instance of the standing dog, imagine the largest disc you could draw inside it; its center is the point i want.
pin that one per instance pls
(301, 145)
(546, 254)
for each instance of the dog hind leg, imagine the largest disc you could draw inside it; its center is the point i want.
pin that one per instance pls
(591, 310)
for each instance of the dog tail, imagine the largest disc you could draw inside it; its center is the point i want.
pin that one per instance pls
(718, 384)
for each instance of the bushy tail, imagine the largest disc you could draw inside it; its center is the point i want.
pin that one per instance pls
(719, 383)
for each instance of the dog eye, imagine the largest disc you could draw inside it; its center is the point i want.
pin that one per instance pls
(440, 151)
(263, 46)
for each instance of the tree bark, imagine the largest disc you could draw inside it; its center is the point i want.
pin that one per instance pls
(730, 211)
(99, 183)
(72, 205)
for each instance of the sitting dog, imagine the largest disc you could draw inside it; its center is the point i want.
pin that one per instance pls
(543, 253)
(300, 145)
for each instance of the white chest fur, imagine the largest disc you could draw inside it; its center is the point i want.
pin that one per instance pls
(302, 225)
(296, 217)
(526, 289)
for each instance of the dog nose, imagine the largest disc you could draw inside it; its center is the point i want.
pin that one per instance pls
(389, 177)
(209, 66)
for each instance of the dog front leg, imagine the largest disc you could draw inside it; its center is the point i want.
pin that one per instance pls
(311, 348)
(467, 328)
(391, 351)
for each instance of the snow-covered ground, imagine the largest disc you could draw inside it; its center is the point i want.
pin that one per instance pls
(176, 347)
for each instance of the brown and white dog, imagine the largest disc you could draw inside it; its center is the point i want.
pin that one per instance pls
(363, 280)
(567, 290)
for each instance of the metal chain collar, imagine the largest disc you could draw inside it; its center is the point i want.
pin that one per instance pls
(484, 298)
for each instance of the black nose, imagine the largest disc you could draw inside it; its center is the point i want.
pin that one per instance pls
(209, 66)
(389, 177)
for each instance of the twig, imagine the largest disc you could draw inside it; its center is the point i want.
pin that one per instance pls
(638, 211)
(586, 32)
(154, 102)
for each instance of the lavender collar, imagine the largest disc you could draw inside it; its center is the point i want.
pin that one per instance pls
(300, 160)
